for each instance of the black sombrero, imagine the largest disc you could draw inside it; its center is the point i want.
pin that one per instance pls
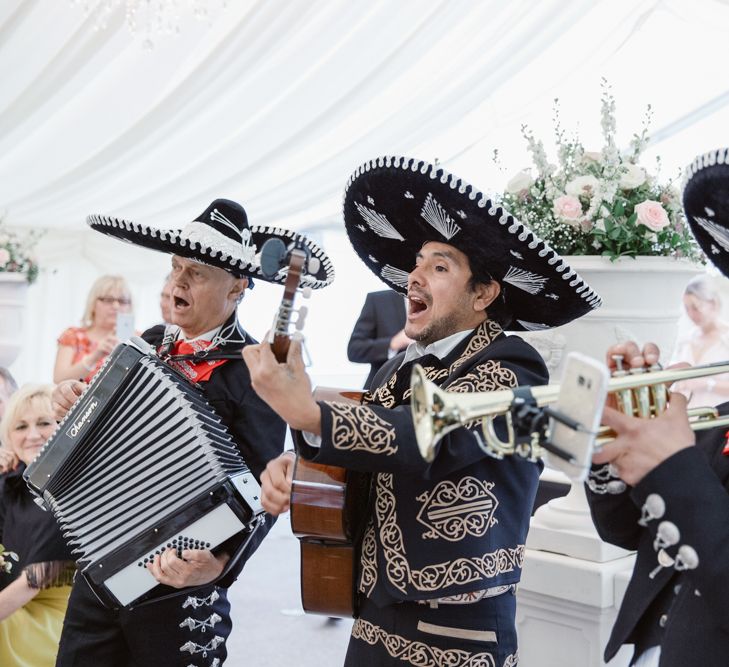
(221, 237)
(392, 205)
(706, 204)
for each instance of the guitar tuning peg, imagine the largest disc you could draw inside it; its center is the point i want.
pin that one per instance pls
(301, 317)
(313, 265)
(306, 292)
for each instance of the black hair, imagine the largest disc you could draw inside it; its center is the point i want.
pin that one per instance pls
(497, 310)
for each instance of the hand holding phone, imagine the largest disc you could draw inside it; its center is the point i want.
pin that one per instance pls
(124, 326)
(582, 394)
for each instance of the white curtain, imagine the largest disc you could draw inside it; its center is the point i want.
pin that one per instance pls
(276, 102)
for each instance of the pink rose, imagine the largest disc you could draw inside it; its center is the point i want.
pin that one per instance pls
(4, 257)
(568, 208)
(652, 215)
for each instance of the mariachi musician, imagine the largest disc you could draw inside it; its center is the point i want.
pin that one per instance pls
(214, 260)
(653, 491)
(444, 541)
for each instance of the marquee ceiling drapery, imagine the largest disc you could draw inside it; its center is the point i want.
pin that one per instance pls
(277, 101)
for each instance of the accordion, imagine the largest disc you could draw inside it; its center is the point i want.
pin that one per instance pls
(141, 464)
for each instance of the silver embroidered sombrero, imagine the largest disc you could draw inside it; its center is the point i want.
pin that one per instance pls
(393, 205)
(222, 237)
(706, 204)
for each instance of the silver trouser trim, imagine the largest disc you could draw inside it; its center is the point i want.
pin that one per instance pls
(193, 623)
(196, 603)
(193, 648)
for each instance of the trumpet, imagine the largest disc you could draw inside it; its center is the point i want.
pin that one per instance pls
(638, 392)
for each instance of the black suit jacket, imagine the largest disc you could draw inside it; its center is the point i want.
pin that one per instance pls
(382, 316)
(686, 611)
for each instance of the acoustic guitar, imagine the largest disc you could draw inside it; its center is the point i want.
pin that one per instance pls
(328, 503)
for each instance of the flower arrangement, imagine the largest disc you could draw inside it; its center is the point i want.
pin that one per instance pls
(599, 203)
(6, 558)
(16, 253)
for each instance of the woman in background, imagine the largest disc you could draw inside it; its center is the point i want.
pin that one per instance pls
(82, 350)
(707, 342)
(36, 580)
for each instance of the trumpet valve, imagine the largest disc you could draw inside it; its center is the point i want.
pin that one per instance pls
(642, 396)
(618, 359)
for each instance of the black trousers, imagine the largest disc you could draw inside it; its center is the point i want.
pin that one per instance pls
(481, 634)
(182, 631)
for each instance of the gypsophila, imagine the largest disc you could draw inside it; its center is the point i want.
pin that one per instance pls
(16, 252)
(599, 203)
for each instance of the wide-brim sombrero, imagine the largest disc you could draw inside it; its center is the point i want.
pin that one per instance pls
(393, 205)
(706, 205)
(221, 237)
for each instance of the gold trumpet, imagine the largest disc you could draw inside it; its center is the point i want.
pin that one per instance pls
(638, 392)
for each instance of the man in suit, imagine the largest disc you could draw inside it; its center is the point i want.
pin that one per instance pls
(662, 490)
(378, 333)
(444, 540)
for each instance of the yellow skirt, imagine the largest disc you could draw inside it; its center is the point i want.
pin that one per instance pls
(29, 637)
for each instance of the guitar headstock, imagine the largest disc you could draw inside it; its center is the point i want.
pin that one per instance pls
(275, 256)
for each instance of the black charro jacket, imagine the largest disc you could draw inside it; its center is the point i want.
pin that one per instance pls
(457, 524)
(686, 611)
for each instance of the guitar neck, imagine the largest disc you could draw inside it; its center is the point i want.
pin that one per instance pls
(281, 339)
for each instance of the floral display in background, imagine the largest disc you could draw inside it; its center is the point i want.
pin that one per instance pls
(599, 203)
(16, 253)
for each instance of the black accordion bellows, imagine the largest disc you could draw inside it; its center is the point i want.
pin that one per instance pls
(141, 464)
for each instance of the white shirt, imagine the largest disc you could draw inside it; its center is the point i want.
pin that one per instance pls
(649, 658)
(441, 348)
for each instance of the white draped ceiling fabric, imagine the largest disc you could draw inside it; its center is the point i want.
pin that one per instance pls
(275, 102)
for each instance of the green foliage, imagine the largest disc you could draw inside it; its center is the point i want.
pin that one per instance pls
(16, 253)
(599, 203)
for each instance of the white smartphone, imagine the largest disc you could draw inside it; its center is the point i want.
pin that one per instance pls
(124, 326)
(582, 394)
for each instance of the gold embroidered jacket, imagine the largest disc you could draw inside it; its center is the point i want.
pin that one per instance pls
(459, 523)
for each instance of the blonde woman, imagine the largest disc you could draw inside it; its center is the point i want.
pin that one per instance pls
(82, 350)
(34, 591)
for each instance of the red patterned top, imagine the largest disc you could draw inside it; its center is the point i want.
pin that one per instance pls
(78, 339)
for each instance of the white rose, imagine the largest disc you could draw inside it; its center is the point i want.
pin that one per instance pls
(519, 183)
(582, 186)
(600, 225)
(632, 176)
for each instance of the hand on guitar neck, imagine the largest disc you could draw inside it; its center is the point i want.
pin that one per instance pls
(278, 372)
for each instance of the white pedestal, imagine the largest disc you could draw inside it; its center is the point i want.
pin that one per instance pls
(566, 608)
(13, 288)
(564, 526)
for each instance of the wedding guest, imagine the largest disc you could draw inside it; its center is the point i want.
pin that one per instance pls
(165, 300)
(38, 568)
(378, 334)
(7, 386)
(82, 350)
(707, 342)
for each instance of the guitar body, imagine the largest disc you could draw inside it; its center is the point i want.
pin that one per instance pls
(328, 503)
